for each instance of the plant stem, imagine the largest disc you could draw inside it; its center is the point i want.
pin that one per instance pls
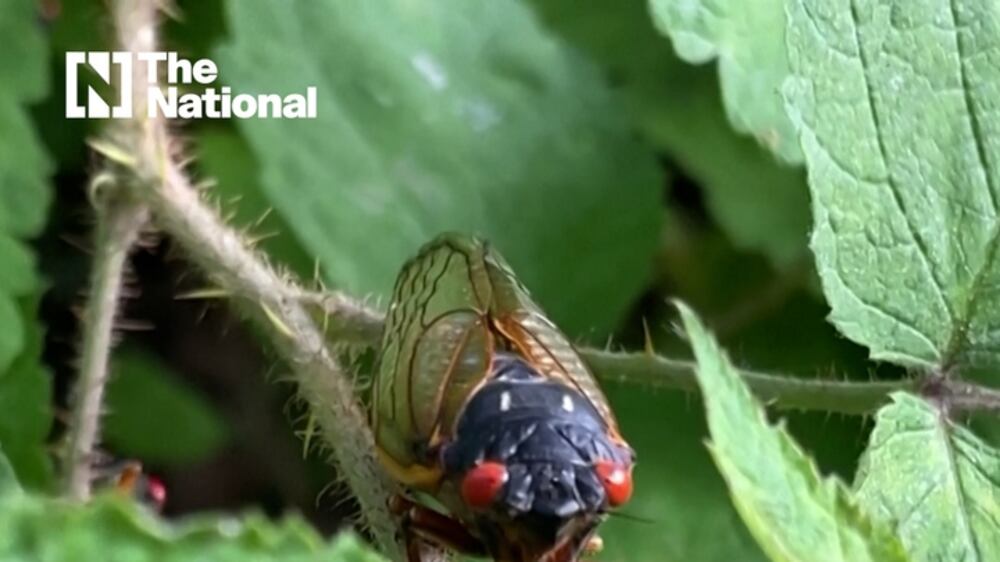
(780, 391)
(786, 392)
(223, 254)
(120, 219)
(158, 181)
(118, 227)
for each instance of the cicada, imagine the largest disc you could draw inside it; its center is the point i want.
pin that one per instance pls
(481, 403)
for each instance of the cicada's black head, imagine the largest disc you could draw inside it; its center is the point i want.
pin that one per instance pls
(536, 463)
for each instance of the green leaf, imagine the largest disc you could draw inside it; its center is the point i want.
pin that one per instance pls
(25, 400)
(761, 205)
(109, 528)
(8, 480)
(747, 38)
(154, 416)
(427, 123)
(24, 200)
(895, 102)
(794, 513)
(24, 166)
(680, 510)
(934, 481)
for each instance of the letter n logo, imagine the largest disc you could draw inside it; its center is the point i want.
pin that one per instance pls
(101, 63)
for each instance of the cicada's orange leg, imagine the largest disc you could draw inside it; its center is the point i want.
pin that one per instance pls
(414, 476)
(422, 524)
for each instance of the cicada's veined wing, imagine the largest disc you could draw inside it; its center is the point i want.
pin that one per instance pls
(523, 323)
(436, 346)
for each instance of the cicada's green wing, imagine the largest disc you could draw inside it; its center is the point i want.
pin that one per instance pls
(436, 347)
(451, 305)
(523, 324)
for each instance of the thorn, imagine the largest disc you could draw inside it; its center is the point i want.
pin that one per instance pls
(308, 434)
(203, 294)
(260, 220)
(254, 240)
(112, 152)
(206, 184)
(126, 325)
(647, 338)
(281, 326)
(77, 243)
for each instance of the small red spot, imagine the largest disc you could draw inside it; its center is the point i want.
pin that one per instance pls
(482, 484)
(617, 480)
(157, 491)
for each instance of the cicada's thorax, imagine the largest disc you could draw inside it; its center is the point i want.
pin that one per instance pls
(454, 307)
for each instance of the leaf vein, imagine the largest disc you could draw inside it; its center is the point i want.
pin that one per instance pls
(890, 178)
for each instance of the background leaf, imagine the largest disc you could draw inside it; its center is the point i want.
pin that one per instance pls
(8, 480)
(154, 416)
(895, 102)
(747, 38)
(25, 394)
(680, 511)
(24, 200)
(934, 481)
(427, 124)
(761, 205)
(794, 513)
(226, 158)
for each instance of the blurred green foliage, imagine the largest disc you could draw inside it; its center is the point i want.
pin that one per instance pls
(761, 205)
(151, 415)
(614, 175)
(111, 528)
(495, 129)
(747, 39)
(24, 202)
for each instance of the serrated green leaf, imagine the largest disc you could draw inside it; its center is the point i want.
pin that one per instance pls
(747, 38)
(895, 104)
(934, 481)
(154, 416)
(761, 205)
(428, 123)
(109, 528)
(793, 512)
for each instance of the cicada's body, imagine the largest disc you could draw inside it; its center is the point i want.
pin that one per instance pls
(481, 402)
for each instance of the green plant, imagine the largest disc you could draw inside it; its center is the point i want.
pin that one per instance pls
(539, 125)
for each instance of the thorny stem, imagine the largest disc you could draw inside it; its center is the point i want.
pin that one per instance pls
(118, 227)
(120, 219)
(779, 391)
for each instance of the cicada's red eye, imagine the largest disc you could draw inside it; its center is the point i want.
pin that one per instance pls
(617, 481)
(482, 484)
